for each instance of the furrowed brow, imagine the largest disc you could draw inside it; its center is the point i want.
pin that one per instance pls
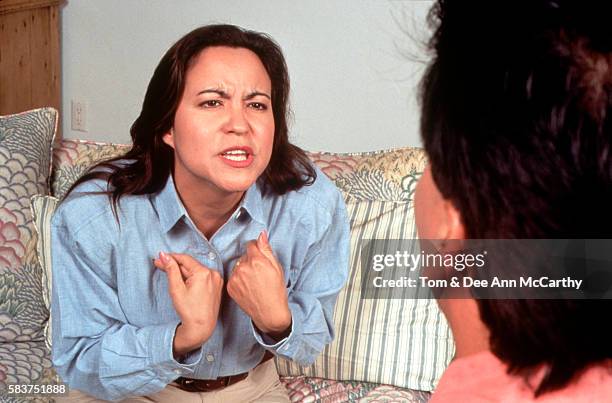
(255, 94)
(217, 91)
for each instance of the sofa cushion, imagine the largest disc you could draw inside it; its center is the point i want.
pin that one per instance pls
(71, 158)
(380, 175)
(43, 208)
(388, 175)
(27, 362)
(25, 154)
(307, 389)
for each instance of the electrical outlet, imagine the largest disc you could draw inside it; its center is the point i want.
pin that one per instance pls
(79, 116)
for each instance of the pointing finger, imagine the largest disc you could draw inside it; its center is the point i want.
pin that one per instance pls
(171, 267)
(184, 271)
(188, 262)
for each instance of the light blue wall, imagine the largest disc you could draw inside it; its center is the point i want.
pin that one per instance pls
(353, 84)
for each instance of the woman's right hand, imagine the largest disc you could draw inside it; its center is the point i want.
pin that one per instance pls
(196, 294)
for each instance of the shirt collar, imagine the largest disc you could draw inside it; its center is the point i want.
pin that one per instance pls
(253, 203)
(170, 208)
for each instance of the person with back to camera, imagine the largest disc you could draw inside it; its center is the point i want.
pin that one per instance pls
(516, 122)
(181, 267)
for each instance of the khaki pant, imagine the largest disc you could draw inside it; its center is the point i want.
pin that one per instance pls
(261, 385)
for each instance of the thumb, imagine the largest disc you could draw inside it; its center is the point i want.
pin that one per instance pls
(171, 267)
(264, 247)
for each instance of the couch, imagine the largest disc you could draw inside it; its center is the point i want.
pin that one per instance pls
(384, 350)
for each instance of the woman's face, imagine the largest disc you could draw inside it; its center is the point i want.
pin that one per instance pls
(224, 127)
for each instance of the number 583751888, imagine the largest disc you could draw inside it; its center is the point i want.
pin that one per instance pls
(26, 389)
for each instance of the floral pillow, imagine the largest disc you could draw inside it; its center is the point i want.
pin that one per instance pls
(25, 163)
(386, 175)
(72, 158)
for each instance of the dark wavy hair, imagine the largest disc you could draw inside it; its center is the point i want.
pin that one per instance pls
(515, 120)
(149, 162)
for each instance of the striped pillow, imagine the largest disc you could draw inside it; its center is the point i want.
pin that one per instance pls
(402, 342)
(42, 210)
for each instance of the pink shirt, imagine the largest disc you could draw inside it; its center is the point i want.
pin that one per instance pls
(482, 378)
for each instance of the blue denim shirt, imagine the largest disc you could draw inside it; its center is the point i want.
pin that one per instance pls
(113, 319)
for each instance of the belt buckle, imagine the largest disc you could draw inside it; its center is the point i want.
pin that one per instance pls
(189, 385)
(185, 381)
(227, 381)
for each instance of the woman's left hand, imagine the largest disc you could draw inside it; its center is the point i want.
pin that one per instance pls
(257, 284)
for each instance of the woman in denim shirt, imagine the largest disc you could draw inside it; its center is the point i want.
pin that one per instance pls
(210, 246)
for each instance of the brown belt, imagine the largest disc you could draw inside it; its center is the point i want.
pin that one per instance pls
(208, 385)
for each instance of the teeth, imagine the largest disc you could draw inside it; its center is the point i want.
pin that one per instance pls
(236, 155)
(239, 157)
(235, 152)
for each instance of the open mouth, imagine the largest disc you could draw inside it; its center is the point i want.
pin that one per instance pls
(236, 155)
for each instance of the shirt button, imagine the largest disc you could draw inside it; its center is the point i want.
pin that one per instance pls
(212, 255)
(177, 371)
(210, 357)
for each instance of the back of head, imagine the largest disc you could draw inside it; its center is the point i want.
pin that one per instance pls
(516, 123)
(516, 107)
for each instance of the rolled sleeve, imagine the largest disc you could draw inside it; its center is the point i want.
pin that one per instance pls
(160, 340)
(281, 347)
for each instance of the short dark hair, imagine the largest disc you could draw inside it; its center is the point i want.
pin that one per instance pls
(150, 160)
(515, 120)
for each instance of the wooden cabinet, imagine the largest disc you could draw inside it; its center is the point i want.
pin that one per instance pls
(29, 55)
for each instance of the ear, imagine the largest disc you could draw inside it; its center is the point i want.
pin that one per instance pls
(168, 138)
(453, 227)
(436, 217)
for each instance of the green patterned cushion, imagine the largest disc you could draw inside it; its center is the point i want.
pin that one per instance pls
(25, 363)
(42, 210)
(389, 175)
(71, 158)
(25, 153)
